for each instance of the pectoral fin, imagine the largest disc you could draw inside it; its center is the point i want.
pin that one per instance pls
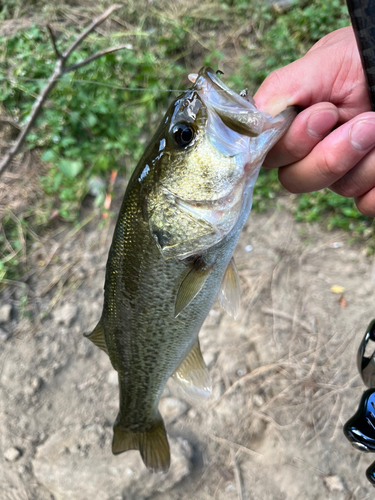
(191, 285)
(230, 290)
(97, 337)
(192, 375)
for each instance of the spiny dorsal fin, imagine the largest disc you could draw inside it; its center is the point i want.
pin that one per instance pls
(191, 286)
(152, 444)
(97, 337)
(192, 375)
(230, 290)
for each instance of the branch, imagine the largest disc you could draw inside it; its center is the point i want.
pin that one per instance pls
(52, 35)
(59, 71)
(6, 119)
(93, 57)
(91, 28)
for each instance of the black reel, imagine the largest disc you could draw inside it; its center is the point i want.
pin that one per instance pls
(360, 428)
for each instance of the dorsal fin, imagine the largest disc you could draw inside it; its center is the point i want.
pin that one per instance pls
(191, 285)
(192, 375)
(97, 337)
(230, 290)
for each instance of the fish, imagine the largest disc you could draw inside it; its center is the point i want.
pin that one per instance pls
(171, 255)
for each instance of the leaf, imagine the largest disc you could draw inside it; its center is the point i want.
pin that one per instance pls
(337, 289)
(48, 155)
(57, 180)
(67, 141)
(92, 119)
(342, 301)
(70, 168)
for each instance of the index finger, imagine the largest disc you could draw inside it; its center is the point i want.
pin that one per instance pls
(307, 129)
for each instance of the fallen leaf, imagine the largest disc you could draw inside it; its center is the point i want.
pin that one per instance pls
(337, 289)
(342, 301)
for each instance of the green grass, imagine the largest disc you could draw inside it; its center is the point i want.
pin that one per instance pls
(100, 117)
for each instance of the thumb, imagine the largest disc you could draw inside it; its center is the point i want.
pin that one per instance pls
(325, 74)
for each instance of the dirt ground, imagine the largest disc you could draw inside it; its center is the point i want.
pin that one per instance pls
(284, 376)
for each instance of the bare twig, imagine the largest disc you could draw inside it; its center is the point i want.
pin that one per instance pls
(249, 376)
(5, 119)
(94, 56)
(91, 28)
(237, 475)
(52, 35)
(231, 445)
(60, 69)
(284, 315)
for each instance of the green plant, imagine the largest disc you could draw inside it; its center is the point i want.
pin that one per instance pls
(91, 124)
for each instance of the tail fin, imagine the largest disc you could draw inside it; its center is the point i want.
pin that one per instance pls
(152, 444)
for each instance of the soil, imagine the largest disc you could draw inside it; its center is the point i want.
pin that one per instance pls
(284, 376)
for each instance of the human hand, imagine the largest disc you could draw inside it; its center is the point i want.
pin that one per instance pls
(331, 143)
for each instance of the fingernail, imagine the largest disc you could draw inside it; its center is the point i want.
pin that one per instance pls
(275, 106)
(321, 122)
(362, 134)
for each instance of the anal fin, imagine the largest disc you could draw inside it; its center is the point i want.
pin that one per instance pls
(192, 375)
(152, 444)
(230, 290)
(97, 337)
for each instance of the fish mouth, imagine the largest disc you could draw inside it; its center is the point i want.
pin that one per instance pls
(237, 112)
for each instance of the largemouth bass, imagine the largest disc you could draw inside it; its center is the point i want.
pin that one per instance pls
(181, 216)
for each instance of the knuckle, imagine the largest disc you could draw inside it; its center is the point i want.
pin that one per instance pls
(364, 209)
(289, 183)
(366, 204)
(273, 80)
(329, 167)
(347, 187)
(294, 151)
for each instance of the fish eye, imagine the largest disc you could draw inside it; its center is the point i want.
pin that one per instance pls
(183, 134)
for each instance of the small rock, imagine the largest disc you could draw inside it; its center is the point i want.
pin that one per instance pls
(172, 408)
(258, 400)
(192, 413)
(334, 483)
(22, 469)
(12, 454)
(112, 377)
(36, 383)
(67, 314)
(5, 311)
(209, 358)
(4, 335)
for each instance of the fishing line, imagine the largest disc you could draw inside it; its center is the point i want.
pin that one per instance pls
(92, 82)
(101, 84)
